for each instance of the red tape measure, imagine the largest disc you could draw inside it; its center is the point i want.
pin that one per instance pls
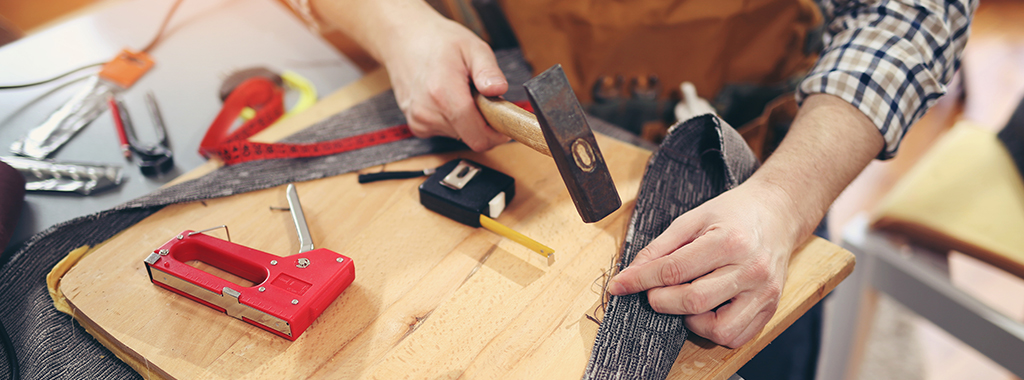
(267, 99)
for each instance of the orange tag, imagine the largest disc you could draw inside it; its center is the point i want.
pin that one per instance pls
(125, 69)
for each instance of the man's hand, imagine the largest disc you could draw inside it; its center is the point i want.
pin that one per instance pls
(431, 70)
(723, 264)
(432, 62)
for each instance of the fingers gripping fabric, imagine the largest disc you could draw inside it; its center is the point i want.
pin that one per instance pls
(699, 159)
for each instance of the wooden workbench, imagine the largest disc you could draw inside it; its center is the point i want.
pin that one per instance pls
(432, 298)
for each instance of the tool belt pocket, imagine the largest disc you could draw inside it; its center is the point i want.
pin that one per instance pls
(764, 133)
(709, 44)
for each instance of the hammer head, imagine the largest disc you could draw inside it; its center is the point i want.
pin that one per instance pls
(572, 145)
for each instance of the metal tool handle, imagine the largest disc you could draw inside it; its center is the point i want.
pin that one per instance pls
(512, 121)
(305, 240)
(74, 115)
(382, 176)
(158, 119)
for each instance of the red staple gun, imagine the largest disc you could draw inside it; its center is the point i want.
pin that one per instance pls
(288, 294)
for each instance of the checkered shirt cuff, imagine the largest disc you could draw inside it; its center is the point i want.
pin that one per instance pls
(890, 59)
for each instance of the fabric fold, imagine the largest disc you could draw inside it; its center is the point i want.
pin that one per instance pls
(698, 160)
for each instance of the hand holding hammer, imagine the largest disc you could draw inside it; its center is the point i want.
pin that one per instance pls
(558, 129)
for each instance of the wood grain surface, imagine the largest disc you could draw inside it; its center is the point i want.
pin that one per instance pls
(432, 298)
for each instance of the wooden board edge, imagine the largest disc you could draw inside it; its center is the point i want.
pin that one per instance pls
(127, 355)
(57, 273)
(63, 304)
(824, 289)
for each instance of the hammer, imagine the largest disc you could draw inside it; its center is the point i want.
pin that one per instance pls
(558, 129)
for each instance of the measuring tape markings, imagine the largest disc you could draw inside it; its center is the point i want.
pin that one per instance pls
(241, 151)
(267, 99)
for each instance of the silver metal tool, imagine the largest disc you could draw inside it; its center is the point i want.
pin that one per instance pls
(153, 159)
(305, 240)
(74, 115)
(66, 177)
(158, 120)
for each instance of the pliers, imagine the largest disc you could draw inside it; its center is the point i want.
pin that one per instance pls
(153, 159)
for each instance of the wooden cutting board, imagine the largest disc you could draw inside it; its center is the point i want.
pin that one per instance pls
(432, 298)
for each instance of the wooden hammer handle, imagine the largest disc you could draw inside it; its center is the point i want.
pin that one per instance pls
(512, 121)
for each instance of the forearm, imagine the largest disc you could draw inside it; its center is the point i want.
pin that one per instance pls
(828, 145)
(373, 24)
(892, 59)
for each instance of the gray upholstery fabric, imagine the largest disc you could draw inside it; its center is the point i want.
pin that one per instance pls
(699, 159)
(50, 345)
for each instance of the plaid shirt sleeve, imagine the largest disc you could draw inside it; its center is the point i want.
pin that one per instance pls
(892, 59)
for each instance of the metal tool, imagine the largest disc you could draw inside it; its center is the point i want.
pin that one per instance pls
(70, 118)
(559, 130)
(382, 176)
(288, 293)
(67, 177)
(305, 240)
(153, 159)
(116, 75)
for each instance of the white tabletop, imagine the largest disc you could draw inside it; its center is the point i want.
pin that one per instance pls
(205, 41)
